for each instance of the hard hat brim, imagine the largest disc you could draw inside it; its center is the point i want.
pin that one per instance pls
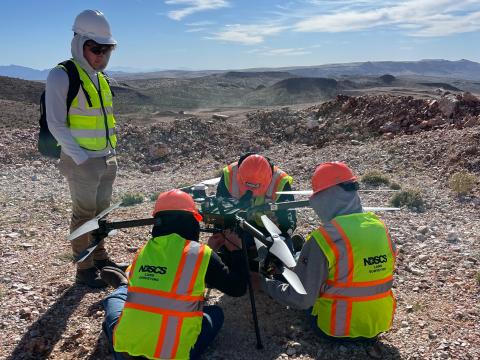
(99, 39)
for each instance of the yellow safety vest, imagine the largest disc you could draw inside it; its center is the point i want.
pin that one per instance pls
(357, 299)
(162, 316)
(90, 117)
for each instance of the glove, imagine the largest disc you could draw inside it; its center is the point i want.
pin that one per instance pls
(232, 241)
(216, 241)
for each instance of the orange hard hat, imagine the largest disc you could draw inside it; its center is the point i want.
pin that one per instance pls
(329, 174)
(255, 174)
(176, 200)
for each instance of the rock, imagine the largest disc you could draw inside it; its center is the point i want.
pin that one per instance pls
(290, 130)
(452, 237)
(423, 230)
(291, 351)
(423, 257)
(220, 117)
(409, 308)
(158, 151)
(25, 313)
(470, 98)
(311, 124)
(448, 105)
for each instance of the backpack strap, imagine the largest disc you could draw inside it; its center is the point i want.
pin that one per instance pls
(73, 80)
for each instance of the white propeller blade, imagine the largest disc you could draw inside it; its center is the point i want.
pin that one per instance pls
(310, 192)
(210, 182)
(279, 248)
(87, 253)
(281, 251)
(270, 225)
(91, 225)
(294, 280)
(261, 249)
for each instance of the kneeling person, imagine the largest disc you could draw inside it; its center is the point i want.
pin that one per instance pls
(346, 265)
(159, 312)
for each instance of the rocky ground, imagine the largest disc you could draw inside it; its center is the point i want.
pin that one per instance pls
(43, 315)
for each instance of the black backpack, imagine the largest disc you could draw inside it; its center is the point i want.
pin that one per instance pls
(47, 144)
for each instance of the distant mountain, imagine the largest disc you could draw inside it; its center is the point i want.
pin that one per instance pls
(461, 69)
(23, 72)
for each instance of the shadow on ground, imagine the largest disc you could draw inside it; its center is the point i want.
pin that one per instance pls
(40, 339)
(284, 331)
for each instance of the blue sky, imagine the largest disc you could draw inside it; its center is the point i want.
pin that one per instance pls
(234, 34)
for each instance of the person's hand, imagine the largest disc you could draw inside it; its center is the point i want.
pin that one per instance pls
(216, 241)
(232, 240)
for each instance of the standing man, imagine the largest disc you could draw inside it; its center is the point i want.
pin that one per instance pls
(346, 265)
(159, 311)
(85, 129)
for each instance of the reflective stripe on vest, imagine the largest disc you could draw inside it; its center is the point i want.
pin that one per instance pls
(357, 296)
(230, 179)
(163, 320)
(279, 179)
(90, 117)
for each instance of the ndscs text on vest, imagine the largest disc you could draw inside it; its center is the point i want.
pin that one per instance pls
(151, 272)
(376, 261)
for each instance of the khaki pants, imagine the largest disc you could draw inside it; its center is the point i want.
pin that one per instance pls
(90, 186)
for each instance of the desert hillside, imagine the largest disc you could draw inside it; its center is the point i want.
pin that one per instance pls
(416, 142)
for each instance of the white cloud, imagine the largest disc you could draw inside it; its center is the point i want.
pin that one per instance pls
(418, 18)
(200, 23)
(287, 52)
(247, 34)
(194, 30)
(193, 6)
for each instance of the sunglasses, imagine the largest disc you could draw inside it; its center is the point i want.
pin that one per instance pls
(100, 49)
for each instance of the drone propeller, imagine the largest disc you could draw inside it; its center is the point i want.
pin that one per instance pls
(92, 224)
(201, 185)
(310, 192)
(282, 252)
(278, 248)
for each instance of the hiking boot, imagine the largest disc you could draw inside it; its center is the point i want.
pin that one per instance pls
(89, 277)
(113, 276)
(100, 264)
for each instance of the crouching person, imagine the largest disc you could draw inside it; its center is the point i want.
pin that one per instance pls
(346, 265)
(159, 312)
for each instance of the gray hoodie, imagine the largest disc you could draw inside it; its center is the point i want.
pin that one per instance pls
(56, 90)
(312, 265)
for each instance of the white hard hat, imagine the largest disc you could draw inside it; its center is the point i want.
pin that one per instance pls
(93, 25)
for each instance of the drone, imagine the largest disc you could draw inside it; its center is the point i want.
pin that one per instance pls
(220, 214)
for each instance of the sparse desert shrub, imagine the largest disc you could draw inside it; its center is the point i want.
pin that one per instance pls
(375, 178)
(65, 257)
(130, 199)
(395, 186)
(462, 182)
(154, 196)
(410, 198)
(478, 278)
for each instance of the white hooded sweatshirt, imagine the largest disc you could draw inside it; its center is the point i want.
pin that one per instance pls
(56, 90)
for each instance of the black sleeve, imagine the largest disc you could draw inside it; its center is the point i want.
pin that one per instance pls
(229, 280)
(222, 190)
(287, 219)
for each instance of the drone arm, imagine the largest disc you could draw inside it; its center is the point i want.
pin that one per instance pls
(252, 231)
